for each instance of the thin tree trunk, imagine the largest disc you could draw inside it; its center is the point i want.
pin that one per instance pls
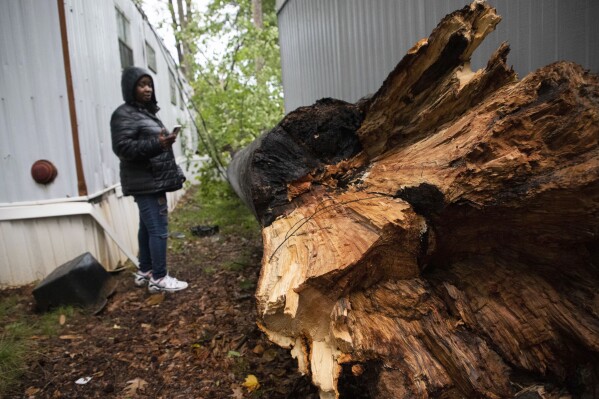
(184, 63)
(176, 28)
(257, 17)
(257, 14)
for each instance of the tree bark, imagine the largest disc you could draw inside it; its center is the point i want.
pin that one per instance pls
(180, 19)
(175, 26)
(439, 239)
(257, 13)
(257, 17)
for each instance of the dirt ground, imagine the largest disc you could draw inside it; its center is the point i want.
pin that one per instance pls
(202, 342)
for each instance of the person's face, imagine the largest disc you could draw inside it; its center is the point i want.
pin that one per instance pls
(144, 89)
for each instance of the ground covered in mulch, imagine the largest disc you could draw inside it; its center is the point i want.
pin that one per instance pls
(202, 342)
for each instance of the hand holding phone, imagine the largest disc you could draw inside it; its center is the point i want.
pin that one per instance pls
(166, 141)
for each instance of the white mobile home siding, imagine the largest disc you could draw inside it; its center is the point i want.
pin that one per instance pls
(96, 74)
(346, 48)
(35, 124)
(31, 248)
(34, 109)
(95, 66)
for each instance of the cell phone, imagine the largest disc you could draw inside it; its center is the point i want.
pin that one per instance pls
(176, 129)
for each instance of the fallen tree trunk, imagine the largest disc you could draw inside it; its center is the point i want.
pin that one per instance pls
(439, 239)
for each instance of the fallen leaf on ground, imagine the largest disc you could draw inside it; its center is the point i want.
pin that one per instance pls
(62, 319)
(237, 393)
(270, 355)
(134, 385)
(251, 383)
(258, 350)
(201, 352)
(71, 336)
(280, 372)
(40, 337)
(155, 299)
(31, 391)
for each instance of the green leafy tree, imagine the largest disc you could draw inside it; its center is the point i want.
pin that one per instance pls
(239, 90)
(230, 56)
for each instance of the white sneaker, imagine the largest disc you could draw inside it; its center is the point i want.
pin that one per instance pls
(166, 283)
(141, 279)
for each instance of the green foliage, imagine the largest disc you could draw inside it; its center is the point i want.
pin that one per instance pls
(237, 87)
(247, 285)
(13, 352)
(17, 328)
(212, 203)
(49, 323)
(243, 260)
(234, 69)
(221, 206)
(7, 305)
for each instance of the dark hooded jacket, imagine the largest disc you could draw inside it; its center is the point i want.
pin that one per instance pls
(146, 167)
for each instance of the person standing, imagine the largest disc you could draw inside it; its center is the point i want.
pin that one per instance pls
(148, 171)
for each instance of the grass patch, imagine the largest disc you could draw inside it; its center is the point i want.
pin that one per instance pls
(49, 323)
(209, 270)
(212, 203)
(247, 285)
(6, 305)
(14, 348)
(233, 266)
(18, 326)
(238, 264)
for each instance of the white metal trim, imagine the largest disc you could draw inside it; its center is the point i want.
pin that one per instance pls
(64, 209)
(60, 200)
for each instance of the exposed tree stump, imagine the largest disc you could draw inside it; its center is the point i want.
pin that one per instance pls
(441, 238)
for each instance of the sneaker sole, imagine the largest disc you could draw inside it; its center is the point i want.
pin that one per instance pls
(156, 290)
(140, 281)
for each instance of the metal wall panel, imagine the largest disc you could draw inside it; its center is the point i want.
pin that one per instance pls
(96, 76)
(96, 69)
(35, 123)
(346, 48)
(34, 111)
(30, 249)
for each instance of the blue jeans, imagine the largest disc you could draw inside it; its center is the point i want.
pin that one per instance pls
(153, 232)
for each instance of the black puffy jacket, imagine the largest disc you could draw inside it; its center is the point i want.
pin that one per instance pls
(146, 167)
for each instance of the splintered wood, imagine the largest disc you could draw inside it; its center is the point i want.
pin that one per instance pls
(439, 239)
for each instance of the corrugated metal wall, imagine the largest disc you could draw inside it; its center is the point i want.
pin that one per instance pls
(34, 111)
(32, 248)
(96, 78)
(36, 246)
(346, 48)
(95, 64)
(35, 124)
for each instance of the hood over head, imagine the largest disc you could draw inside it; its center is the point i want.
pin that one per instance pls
(128, 81)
